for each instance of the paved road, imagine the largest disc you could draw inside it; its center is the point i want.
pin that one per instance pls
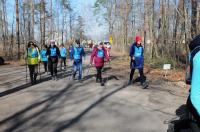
(71, 106)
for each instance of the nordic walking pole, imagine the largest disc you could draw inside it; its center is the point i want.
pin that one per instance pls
(26, 58)
(39, 72)
(26, 68)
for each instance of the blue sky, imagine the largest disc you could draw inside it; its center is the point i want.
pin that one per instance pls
(83, 8)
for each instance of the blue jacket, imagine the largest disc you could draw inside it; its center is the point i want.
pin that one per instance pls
(195, 87)
(43, 55)
(77, 53)
(138, 53)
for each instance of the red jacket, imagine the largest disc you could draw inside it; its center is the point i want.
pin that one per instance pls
(98, 61)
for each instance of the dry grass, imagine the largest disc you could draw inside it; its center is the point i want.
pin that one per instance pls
(16, 62)
(122, 64)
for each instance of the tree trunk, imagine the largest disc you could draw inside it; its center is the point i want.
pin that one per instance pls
(194, 18)
(17, 28)
(42, 22)
(33, 19)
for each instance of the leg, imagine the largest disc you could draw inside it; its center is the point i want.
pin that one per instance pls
(61, 61)
(98, 74)
(45, 66)
(31, 71)
(80, 70)
(75, 69)
(35, 72)
(142, 75)
(55, 68)
(64, 63)
(51, 67)
(131, 75)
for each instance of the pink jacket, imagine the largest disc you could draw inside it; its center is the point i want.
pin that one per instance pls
(98, 62)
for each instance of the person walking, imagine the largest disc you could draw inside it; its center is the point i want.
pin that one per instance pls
(33, 58)
(53, 54)
(98, 55)
(63, 55)
(44, 59)
(137, 61)
(76, 54)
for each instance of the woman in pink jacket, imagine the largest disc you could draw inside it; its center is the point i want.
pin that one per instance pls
(98, 55)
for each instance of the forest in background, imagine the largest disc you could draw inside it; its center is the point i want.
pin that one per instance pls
(166, 26)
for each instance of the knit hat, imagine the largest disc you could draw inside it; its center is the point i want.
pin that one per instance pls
(137, 38)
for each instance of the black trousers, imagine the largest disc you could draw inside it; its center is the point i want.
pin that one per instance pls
(62, 60)
(99, 73)
(142, 77)
(53, 62)
(33, 70)
(45, 65)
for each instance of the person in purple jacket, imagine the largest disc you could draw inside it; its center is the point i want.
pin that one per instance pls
(137, 60)
(98, 55)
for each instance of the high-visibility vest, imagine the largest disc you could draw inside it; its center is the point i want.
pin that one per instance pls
(32, 56)
(63, 52)
(100, 53)
(77, 53)
(53, 52)
(138, 51)
(43, 55)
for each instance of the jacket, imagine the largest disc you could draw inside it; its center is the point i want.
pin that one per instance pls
(98, 57)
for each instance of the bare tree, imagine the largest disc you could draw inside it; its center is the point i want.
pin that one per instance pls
(17, 27)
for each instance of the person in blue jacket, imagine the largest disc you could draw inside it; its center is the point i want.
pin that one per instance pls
(76, 54)
(193, 101)
(63, 55)
(137, 59)
(44, 58)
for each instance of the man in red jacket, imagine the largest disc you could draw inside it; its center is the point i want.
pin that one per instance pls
(98, 55)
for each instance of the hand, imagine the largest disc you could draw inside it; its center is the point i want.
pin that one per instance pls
(90, 64)
(133, 58)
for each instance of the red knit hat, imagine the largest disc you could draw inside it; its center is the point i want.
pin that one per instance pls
(137, 38)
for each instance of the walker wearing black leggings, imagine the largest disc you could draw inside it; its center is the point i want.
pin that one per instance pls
(142, 78)
(99, 72)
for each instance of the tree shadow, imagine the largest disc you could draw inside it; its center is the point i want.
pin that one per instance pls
(28, 85)
(18, 119)
(66, 124)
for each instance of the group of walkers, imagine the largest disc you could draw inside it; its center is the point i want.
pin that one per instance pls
(50, 55)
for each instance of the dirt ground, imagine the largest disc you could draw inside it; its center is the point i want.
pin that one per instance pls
(72, 106)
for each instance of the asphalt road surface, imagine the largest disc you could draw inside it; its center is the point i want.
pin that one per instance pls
(72, 106)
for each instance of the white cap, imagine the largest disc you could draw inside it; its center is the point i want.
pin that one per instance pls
(52, 42)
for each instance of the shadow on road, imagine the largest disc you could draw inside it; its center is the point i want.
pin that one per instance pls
(66, 124)
(18, 119)
(28, 85)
